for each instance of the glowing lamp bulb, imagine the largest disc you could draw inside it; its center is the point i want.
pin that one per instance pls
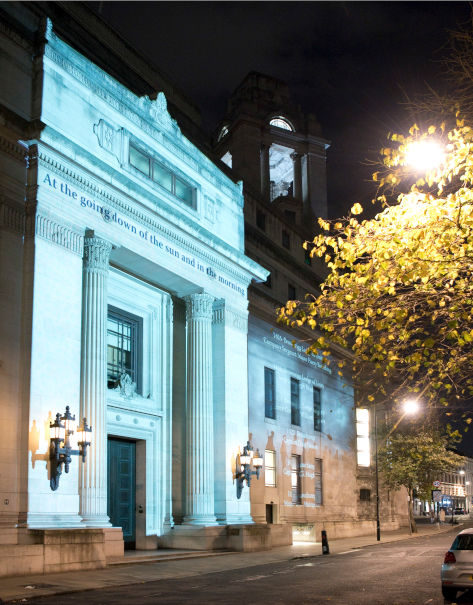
(411, 407)
(424, 155)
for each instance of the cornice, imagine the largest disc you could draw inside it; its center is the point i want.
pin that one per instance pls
(12, 148)
(150, 223)
(15, 37)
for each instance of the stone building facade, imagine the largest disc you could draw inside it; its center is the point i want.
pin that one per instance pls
(302, 413)
(124, 296)
(139, 282)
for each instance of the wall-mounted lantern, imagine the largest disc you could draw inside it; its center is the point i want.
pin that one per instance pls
(60, 450)
(244, 469)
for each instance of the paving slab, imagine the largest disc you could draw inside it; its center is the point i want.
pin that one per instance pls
(144, 566)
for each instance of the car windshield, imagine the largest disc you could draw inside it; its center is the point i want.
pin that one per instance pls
(463, 542)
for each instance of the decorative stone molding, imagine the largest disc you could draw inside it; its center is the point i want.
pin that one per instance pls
(12, 217)
(59, 234)
(110, 138)
(13, 148)
(147, 221)
(237, 319)
(138, 110)
(126, 387)
(14, 37)
(199, 306)
(159, 111)
(96, 253)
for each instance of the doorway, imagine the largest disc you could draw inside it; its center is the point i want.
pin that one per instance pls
(121, 493)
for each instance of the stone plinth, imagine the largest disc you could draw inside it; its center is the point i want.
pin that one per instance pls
(40, 551)
(242, 538)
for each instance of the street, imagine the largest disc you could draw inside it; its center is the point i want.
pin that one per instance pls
(401, 572)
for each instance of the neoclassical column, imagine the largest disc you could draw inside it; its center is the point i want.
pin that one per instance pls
(200, 505)
(297, 181)
(93, 473)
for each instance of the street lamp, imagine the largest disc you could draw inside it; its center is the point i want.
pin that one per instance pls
(249, 463)
(60, 449)
(424, 155)
(410, 407)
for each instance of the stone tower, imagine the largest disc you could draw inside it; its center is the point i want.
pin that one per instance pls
(274, 148)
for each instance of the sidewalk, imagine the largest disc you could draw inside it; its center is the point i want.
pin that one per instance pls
(147, 566)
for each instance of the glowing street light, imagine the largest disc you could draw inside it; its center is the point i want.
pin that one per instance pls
(411, 407)
(424, 155)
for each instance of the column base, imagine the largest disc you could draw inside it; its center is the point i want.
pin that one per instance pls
(96, 521)
(200, 520)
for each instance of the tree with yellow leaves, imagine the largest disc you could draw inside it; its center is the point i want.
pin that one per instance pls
(399, 292)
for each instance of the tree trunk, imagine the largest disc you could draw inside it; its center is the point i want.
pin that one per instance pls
(410, 510)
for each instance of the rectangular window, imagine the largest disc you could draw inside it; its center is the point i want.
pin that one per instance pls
(317, 397)
(307, 257)
(139, 160)
(162, 176)
(365, 494)
(363, 437)
(183, 191)
(124, 333)
(270, 468)
(290, 216)
(286, 240)
(291, 292)
(261, 220)
(269, 393)
(296, 479)
(318, 482)
(295, 402)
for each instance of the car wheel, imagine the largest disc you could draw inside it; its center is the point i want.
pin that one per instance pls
(449, 593)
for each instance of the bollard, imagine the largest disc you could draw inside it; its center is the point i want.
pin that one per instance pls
(325, 548)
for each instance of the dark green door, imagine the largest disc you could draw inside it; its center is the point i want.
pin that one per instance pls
(121, 487)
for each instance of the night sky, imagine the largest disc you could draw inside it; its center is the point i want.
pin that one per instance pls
(351, 63)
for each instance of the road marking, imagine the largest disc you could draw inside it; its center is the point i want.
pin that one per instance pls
(250, 579)
(305, 565)
(345, 552)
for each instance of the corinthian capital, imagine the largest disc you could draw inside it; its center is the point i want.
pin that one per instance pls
(199, 306)
(96, 252)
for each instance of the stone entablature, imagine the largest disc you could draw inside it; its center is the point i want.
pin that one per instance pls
(117, 114)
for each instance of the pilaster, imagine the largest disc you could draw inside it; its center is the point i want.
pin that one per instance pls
(93, 473)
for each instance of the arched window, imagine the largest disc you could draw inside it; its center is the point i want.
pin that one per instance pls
(223, 133)
(281, 122)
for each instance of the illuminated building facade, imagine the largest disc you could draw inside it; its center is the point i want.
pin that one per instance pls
(139, 287)
(301, 412)
(125, 297)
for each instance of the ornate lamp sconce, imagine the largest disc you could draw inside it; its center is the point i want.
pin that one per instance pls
(60, 449)
(244, 470)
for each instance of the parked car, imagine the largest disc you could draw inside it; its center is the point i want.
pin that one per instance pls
(459, 511)
(457, 568)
